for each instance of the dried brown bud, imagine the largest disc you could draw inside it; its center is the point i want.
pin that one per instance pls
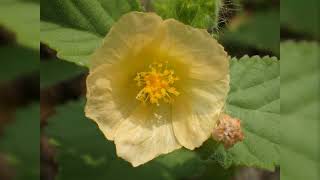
(228, 131)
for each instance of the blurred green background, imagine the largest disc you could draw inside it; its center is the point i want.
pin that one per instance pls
(245, 27)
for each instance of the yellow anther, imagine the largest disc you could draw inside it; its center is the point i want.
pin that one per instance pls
(157, 84)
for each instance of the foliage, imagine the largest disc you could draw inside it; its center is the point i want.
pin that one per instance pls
(300, 90)
(198, 13)
(23, 57)
(16, 61)
(301, 17)
(259, 30)
(49, 77)
(254, 98)
(97, 158)
(21, 143)
(24, 24)
(75, 28)
(300, 110)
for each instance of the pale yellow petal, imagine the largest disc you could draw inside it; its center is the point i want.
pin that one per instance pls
(131, 33)
(146, 134)
(196, 113)
(206, 57)
(104, 104)
(206, 84)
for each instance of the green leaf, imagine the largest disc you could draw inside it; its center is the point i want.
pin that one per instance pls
(16, 61)
(74, 167)
(75, 28)
(216, 171)
(259, 30)
(300, 106)
(301, 16)
(198, 13)
(20, 143)
(22, 18)
(82, 146)
(55, 71)
(71, 44)
(254, 98)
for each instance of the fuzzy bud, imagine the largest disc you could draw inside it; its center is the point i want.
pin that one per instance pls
(228, 131)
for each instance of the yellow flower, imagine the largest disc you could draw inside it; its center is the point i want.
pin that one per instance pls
(156, 85)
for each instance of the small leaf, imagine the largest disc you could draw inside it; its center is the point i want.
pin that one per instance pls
(22, 18)
(300, 106)
(75, 28)
(197, 13)
(55, 71)
(21, 143)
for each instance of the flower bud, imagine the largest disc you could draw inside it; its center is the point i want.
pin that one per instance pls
(228, 131)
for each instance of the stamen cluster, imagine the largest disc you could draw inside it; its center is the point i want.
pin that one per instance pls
(156, 84)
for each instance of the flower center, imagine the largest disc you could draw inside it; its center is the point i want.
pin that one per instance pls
(156, 84)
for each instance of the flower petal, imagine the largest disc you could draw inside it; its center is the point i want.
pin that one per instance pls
(197, 48)
(196, 114)
(197, 109)
(128, 36)
(145, 135)
(102, 107)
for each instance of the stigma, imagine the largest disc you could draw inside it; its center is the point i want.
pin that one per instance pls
(156, 84)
